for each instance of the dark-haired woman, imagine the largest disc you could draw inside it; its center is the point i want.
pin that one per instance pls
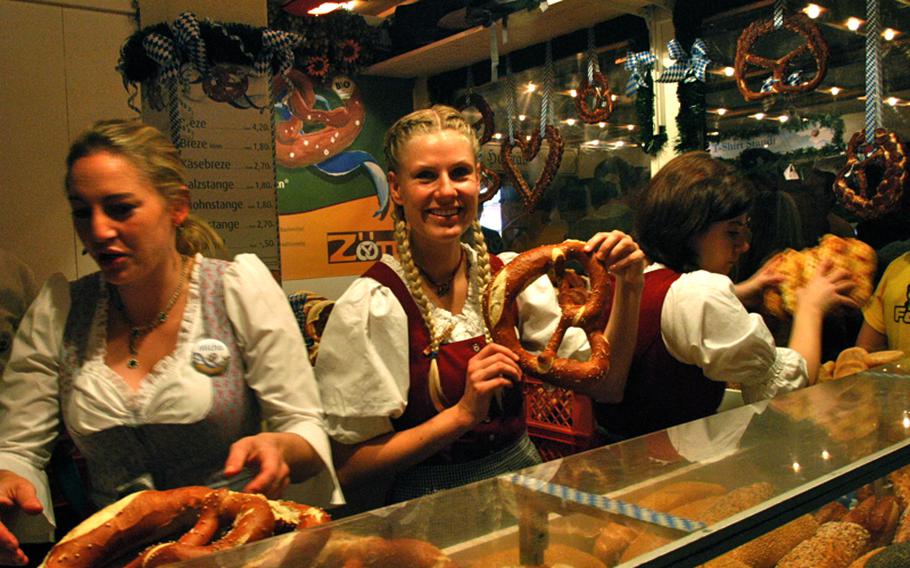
(694, 333)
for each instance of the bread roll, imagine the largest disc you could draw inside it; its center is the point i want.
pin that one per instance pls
(850, 361)
(883, 357)
(673, 495)
(766, 550)
(833, 511)
(825, 372)
(900, 483)
(835, 545)
(612, 541)
(894, 556)
(877, 515)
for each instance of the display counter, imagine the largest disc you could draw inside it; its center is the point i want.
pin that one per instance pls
(782, 458)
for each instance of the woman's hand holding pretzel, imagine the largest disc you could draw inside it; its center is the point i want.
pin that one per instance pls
(493, 368)
(620, 254)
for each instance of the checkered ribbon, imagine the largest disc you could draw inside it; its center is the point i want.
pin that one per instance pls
(190, 43)
(161, 50)
(686, 68)
(607, 504)
(780, 6)
(873, 70)
(794, 78)
(278, 45)
(639, 65)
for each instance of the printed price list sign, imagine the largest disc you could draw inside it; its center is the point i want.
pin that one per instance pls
(228, 150)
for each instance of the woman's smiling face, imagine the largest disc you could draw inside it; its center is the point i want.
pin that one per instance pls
(437, 184)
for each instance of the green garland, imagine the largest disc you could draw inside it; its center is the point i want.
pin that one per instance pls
(691, 117)
(651, 143)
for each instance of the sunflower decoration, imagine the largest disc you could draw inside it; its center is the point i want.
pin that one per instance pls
(349, 50)
(317, 66)
(346, 56)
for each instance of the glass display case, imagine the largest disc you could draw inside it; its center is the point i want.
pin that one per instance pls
(784, 457)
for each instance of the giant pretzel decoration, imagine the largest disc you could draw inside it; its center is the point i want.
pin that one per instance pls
(501, 313)
(486, 126)
(815, 44)
(602, 103)
(147, 517)
(889, 160)
(529, 150)
(297, 145)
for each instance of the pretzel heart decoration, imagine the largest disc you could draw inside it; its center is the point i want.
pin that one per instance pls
(314, 135)
(501, 313)
(225, 84)
(602, 99)
(486, 126)
(529, 150)
(815, 44)
(886, 161)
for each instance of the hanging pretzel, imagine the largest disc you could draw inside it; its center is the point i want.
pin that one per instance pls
(815, 44)
(490, 183)
(486, 126)
(529, 150)
(602, 99)
(500, 312)
(887, 158)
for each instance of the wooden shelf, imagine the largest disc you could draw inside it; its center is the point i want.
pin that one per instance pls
(525, 28)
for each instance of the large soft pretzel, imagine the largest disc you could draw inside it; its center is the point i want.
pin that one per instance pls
(814, 44)
(889, 158)
(529, 151)
(501, 313)
(192, 515)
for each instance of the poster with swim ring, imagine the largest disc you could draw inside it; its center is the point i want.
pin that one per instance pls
(333, 197)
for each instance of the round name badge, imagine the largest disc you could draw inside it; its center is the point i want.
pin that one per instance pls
(211, 357)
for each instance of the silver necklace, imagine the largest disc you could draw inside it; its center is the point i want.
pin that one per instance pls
(137, 332)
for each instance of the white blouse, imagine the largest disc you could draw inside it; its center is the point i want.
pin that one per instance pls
(703, 323)
(277, 369)
(362, 368)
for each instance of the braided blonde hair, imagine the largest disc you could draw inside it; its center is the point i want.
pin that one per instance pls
(429, 121)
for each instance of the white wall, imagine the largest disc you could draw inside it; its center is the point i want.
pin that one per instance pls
(57, 76)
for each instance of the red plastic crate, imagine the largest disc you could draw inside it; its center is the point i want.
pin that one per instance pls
(560, 421)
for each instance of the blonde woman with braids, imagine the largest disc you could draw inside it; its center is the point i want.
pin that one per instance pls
(164, 365)
(414, 389)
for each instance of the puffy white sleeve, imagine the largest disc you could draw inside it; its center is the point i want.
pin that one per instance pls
(30, 401)
(539, 314)
(275, 356)
(703, 323)
(362, 365)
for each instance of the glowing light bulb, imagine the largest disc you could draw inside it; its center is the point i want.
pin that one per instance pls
(620, 143)
(853, 23)
(825, 455)
(573, 93)
(892, 101)
(796, 467)
(614, 98)
(906, 422)
(889, 34)
(758, 116)
(528, 138)
(570, 121)
(835, 90)
(522, 117)
(813, 10)
(530, 88)
(497, 136)
(783, 118)
(729, 71)
(602, 124)
(630, 127)
(721, 111)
